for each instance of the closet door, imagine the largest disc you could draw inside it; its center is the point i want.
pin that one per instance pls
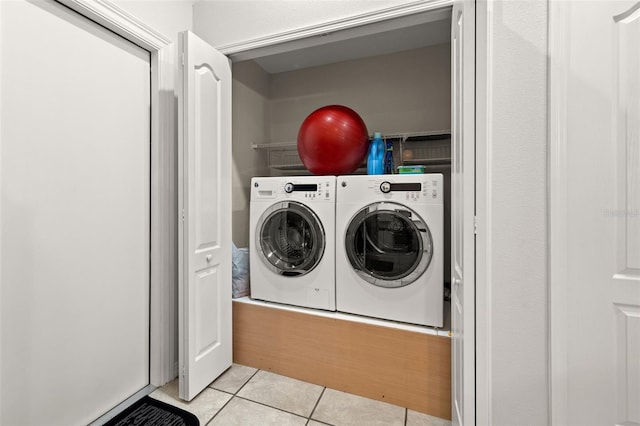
(75, 176)
(204, 307)
(595, 212)
(462, 214)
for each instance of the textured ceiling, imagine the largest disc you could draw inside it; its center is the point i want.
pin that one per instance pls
(377, 43)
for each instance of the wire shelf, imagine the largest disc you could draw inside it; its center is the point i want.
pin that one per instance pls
(424, 148)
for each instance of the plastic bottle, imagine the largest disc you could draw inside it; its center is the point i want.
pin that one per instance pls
(388, 158)
(375, 160)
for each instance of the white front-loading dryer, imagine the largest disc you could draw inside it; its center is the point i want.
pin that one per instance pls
(292, 240)
(389, 247)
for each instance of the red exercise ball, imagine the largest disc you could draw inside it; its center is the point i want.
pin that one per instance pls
(333, 140)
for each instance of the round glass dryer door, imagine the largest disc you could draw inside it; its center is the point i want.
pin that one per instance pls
(388, 244)
(290, 238)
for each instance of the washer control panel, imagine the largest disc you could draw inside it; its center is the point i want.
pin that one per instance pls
(318, 191)
(303, 189)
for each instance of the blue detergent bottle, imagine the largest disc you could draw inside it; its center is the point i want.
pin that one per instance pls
(375, 160)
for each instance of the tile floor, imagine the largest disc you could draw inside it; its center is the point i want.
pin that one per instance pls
(245, 396)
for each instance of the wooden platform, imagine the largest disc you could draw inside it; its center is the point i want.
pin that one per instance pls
(405, 368)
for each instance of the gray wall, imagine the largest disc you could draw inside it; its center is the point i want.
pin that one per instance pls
(403, 92)
(251, 112)
(395, 93)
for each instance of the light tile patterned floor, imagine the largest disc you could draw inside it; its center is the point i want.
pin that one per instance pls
(244, 396)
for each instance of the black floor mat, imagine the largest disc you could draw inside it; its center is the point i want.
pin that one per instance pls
(151, 412)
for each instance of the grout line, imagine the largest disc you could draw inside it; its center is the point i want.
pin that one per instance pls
(245, 383)
(233, 395)
(270, 406)
(321, 422)
(309, 418)
(317, 402)
(221, 408)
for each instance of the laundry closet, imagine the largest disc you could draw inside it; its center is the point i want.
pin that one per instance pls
(397, 80)
(397, 75)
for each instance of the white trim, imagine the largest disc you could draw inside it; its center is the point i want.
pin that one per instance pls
(484, 134)
(163, 215)
(469, 209)
(262, 46)
(120, 22)
(0, 216)
(558, 74)
(164, 220)
(464, 186)
(342, 316)
(469, 214)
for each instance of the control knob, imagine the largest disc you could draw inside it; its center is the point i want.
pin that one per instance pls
(288, 187)
(385, 187)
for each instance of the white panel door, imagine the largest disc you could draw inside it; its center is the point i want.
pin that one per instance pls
(595, 212)
(75, 187)
(462, 214)
(205, 203)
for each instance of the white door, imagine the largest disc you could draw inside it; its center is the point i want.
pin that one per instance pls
(75, 186)
(462, 214)
(204, 151)
(595, 212)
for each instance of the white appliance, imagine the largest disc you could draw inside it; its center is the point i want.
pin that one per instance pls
(389, 251)
(292, 240)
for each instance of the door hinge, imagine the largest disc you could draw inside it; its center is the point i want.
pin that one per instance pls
(182, 59)
(475, 225)
(183, 215)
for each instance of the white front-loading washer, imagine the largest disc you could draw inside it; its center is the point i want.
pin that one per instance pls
(292, 240)
(389, 247)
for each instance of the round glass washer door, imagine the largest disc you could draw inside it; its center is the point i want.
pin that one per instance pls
(388, 244)
(290, 238)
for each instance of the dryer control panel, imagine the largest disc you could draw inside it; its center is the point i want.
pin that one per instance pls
(426, 188)
(415, 188)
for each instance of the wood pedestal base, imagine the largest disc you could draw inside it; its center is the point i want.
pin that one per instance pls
(405, 368)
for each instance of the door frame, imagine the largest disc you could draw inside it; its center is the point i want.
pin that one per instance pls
(353, 26)
(492, 47)
(557, 237)
(163, 231)
(363, 24)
